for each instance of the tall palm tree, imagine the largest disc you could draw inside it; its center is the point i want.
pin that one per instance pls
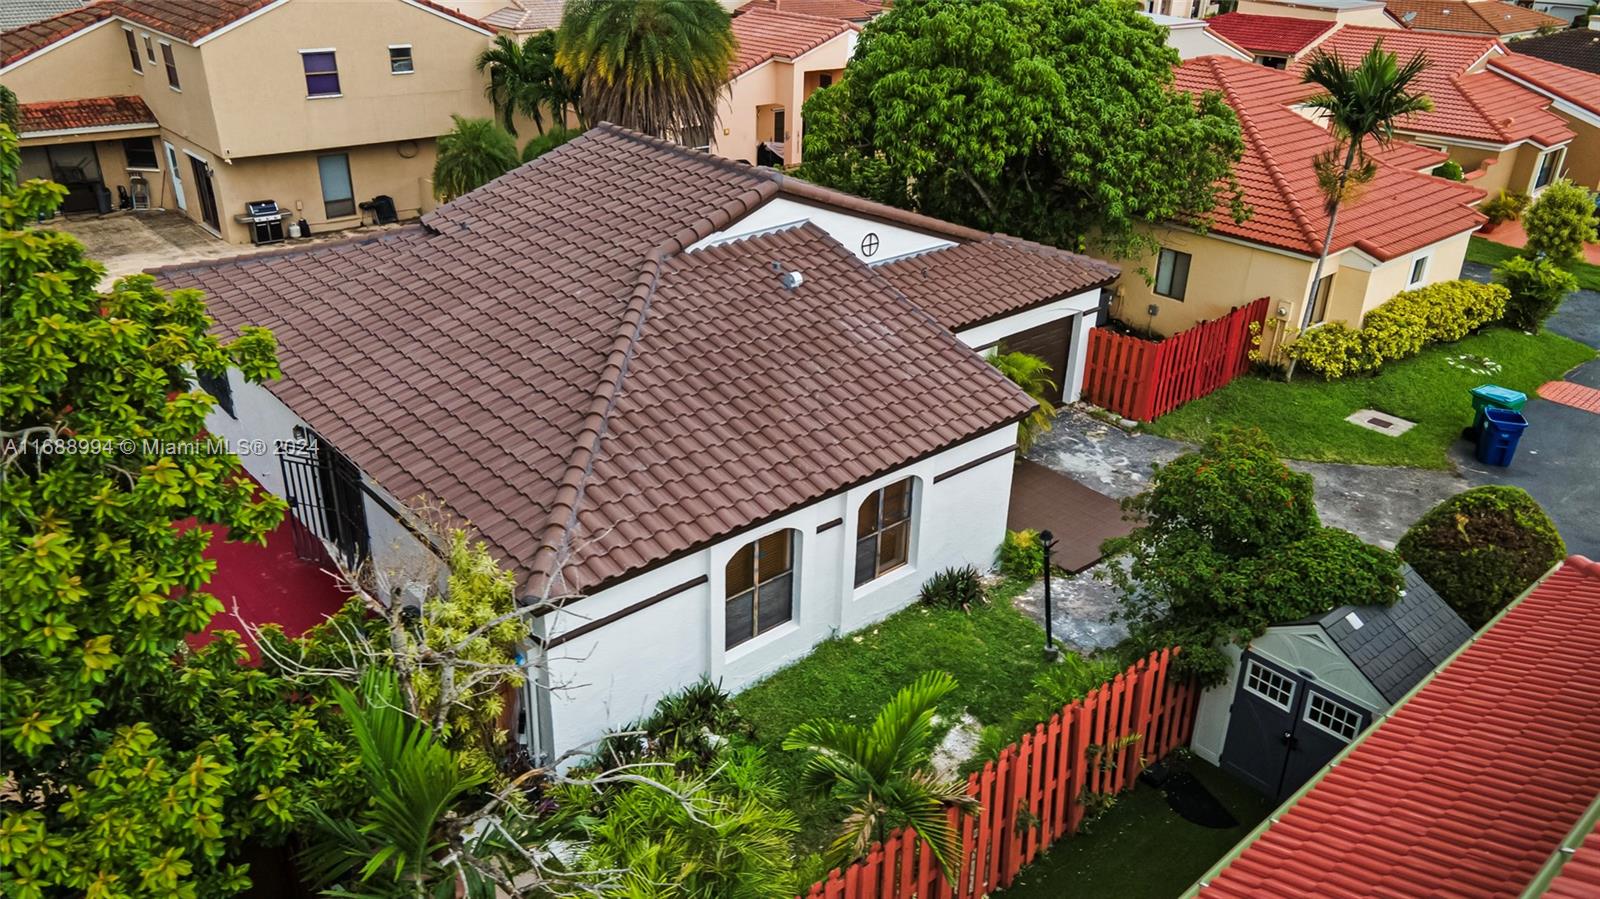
(882, 775)
(1032, 374)
(1361, 103)
(524, 78)
(471, 155)
(655, 66)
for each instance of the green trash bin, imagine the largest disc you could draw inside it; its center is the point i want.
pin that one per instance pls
(1493, 396)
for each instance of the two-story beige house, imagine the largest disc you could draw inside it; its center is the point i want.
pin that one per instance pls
(782, 58)
(319, 105)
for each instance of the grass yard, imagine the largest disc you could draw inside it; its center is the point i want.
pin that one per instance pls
(993, 653)
(1305, 418)
(1141, 849)
(1487, 252)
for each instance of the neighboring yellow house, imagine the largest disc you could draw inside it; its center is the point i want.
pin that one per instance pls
(1407, 230)
(782, 58)
(1574, 96)
(320, 105)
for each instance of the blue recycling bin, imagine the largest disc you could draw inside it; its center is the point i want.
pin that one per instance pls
(1493, 396)
(1502, 431)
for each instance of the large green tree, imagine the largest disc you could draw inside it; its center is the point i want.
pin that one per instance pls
(656, 66)
(1055, 120)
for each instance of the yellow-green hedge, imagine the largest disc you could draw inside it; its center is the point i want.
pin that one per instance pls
(1401, 327)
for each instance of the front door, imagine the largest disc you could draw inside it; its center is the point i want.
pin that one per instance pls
(205, 191)
(1284, 728)
(177, 176)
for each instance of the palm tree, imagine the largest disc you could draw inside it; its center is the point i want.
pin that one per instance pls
(524, 78)
(655, 66)
(1362, 103)
(471, 155)
(881, 773)
(1032, 374)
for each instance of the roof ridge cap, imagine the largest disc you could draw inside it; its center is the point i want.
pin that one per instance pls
(1300, 219)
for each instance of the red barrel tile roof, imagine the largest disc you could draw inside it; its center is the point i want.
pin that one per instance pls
(544, 357)
(764, 34)
(1579, 875)
(1472, 106)
(93, 112)
(1400, 211)
(1573, 85)
(1269, 34)
(1471, 16)
(1470, 784)
(853, 10)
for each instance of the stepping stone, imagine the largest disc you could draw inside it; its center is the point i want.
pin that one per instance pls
(1569, 394)
(1382, 422)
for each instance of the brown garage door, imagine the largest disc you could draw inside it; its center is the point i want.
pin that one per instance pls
(1049, 342)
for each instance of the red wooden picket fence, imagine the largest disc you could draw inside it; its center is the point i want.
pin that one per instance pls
(1030, 796)
(1145, 379)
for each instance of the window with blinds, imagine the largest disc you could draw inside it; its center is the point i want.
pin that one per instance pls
(759, 587)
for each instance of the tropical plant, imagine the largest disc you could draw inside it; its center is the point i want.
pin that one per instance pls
(1482, 548)
(953, 588)
(1361, 103)
(881, 774)
(525, 80)
(1055, 120)
(1062, 684)
(1032, 375)
(8, 107)
(1021, 555)
(656, 66)
(1536, 287)
(1504, 206)
(1230, 543)
(547, 141)
(1560, 222)
(473, 153)
(1450, 170)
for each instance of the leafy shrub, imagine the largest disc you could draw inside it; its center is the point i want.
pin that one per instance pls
(1022, 555)
(1067, 681)
(1537, 287)
(1032, 375)
(1450, 170)
(1505, 206)
(1401, 327)
(685, 726)
(954, 588)
(548, 141)
(1560, 222)
(1482, 548)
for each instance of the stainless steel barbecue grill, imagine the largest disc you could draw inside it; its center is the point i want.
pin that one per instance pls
(265, 219)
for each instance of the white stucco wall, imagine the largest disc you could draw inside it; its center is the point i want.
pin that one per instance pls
(613, 675)
(847, 229)
(1081, 307)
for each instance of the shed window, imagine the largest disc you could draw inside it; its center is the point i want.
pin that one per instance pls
(141, 153)
(883, 531)
(760, 587)
(338, 195)
(1335, 718)
(1172, 274)
(400, 60)
(133, 51)
(322, 73)
(1269, 685)
(172, 66)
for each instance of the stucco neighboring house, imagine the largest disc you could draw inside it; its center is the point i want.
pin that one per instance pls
(1485, 17)
(712, 413)
(1505, 136)
(1575, 48)
(1407, 229)
(782, 57)
(320, 105)
(1370, 13)
(1179, 9)
(1574, 96)
(858, 11)
(1272, 41)
(1192, 37)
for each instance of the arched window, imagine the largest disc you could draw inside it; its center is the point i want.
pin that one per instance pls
(760, 587)
(883, 531)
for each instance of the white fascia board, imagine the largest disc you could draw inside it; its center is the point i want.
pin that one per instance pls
(96, 129)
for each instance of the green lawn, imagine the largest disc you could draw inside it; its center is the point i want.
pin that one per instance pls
(993, 653)
(1141, 849)
(1305, 418)
(1488, 252)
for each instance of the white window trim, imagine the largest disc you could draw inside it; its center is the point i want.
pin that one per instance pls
(1255, 665)
(409, 55)
(1412, 278)
(1538, 164)
(335, 73)
(1306, 716)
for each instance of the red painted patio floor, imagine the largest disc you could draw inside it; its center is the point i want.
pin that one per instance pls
(1569, 394)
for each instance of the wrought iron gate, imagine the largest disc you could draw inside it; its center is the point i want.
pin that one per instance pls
(326, 506)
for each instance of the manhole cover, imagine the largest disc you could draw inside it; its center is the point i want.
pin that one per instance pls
(1383, 423)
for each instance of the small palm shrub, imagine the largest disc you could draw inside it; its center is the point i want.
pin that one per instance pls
(1032, 374)
(953, 588)
(548, 141)
(1560, 222)
(1505, 206)
(1022, 555)
(686, 727)
(1537, 287)
(471, 155)
(1482, 548)
(1401, 327)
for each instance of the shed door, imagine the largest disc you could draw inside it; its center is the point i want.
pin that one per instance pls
(1284, 728)
(1049, 342)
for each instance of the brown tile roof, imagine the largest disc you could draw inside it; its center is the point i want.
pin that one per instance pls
(1576, 48)
(94, 112)
(542, 356)
(973, 283)
(853, 10)
(1471, 16)
(19, 42)
(1575, 86)
(1476, 106)
(764, 34)
(1400, 211)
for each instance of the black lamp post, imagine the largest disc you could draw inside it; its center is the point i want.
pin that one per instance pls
(1047, 541)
